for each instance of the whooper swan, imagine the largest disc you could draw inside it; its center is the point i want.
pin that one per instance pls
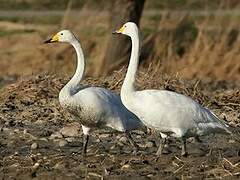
(94, 107)
(170, 113)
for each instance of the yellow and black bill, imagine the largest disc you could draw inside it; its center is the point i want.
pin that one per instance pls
(120, 31)
(55, 38)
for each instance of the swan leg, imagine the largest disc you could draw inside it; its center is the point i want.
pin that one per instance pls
(183, 146)
(161, 146)
(131, 141)
(85, 143)
(85, 138)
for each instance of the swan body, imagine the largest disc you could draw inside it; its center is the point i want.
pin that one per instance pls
(168, 112)
(97, 107)
(173, 114)
(94, 107)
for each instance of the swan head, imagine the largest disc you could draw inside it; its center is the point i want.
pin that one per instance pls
(62, 36)
(129, 29)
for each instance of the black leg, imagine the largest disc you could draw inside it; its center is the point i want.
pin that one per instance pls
(85, 143)
(183, 146)
(161, 146)
(131, 141)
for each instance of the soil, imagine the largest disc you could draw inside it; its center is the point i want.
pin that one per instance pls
(40, 140)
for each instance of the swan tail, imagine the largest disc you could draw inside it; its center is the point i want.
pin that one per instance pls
(233, 131)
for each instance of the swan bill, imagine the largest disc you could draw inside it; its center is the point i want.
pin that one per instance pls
(55, 38)
(47, 41)
(120, 31)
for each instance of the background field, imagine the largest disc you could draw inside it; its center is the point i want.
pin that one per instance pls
(196, 39)
(188, 46)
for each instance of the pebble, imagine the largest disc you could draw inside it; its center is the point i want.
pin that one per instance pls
(102, 136)
(56, 135)
(113, 147)
(70, 131)
(36, 166)
(16, 130)
(126, 166)
(14, 166)
(96, 140)
(5, 129)
(138, 137)
(34, 146)
(59, 165)
(62, 143)
(32, 137)
(70, 139)
(40, 122)
(25, 131)
(120, 143)
(43, 139)
(123, 139)
(149, 144)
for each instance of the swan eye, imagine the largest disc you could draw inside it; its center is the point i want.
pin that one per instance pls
(61, 34)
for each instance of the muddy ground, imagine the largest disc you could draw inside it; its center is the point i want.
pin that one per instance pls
(40, 140)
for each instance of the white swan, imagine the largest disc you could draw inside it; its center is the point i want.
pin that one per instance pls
(94, 107)
(168, 112)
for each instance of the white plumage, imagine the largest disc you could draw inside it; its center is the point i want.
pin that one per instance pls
(94, 107)
(168, 112)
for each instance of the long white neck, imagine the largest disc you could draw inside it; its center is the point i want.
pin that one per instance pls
(73, 85)
(128, 84)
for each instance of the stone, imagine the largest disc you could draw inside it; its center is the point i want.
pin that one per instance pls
(62, 143)
(138, 137)
(139, 132)
(70, 139)
(43, 139)
(16, 130)
(34, 146)
(56, 135)
(25, 131)
(102, 136)
(60, 165)
(36, 166)
(70, 131)
(149, 144)
(40, 122)
(123, 139)
(126, 166)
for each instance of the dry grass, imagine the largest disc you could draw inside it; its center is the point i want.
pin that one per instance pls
(192, 46)
(31, 106)
(201, 48)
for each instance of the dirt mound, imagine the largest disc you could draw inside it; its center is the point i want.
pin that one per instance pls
(39, 139)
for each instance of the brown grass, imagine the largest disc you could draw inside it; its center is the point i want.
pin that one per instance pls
(192, 49)
(30, 108)
(174, 42)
